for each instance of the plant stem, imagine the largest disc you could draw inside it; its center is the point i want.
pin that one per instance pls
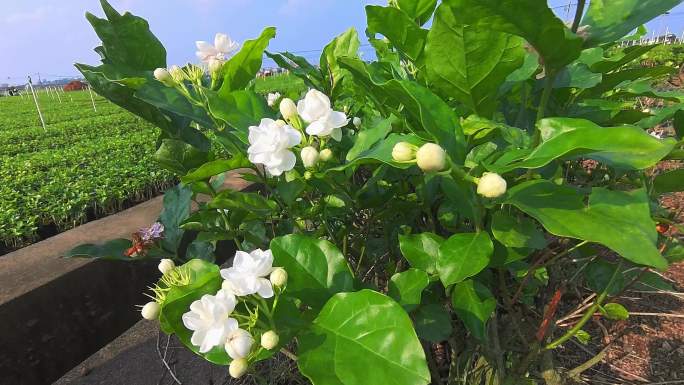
(289, 354)
(543, 102)
(578, 15)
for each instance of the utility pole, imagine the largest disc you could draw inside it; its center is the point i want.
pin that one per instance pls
(35, 100)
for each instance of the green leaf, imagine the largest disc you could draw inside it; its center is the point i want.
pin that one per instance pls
(243, 67)
(407, 287)
(381, 152)
(367, 137)
(432, 322)
(362, 338)
(200, 249)
(463, 256)
(215, 167)
(179, 156)
(418, 10)
(517, 232)
(619, 220)
(583, 337)
(670, 181)
(576, 75)
(478, 62)
(171, 100)
(240, 109)
(176, 211)
(623, 147)
(608, 20)
(615, 311)
(421, 250)
(599, 274)
(474, 304)
(127, 41)
(236, 200)
(204, 279)
(398, 27)
(347, 45)
(316, 268)
(113, 250)
(530, 19)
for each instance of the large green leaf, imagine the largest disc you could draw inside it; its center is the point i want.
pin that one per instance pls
(407, 287)
(171, 100)
(627, 147)
(421, 250)
(215, 167)
(477, 63)
(243, 67)
(418, 10)
(362, 338)
(346, 44)
(619, 220)
(424, 109)
(204, 278)
(316, 268)
(367, 137)
(463, 256)
(517, 232)
(237, 200)
(474, 304)
(608, 20)
(398, 27)
(127, 41)
(530, 19)
(432, 322)
(113, 250)
(240, 109)
(179, 157)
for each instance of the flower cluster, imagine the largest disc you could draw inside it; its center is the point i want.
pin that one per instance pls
(215, 55)
(214, 319)
(270, 144)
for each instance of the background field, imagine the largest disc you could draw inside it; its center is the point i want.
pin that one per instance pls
(85, 165)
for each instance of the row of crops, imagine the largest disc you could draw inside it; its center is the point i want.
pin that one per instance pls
(86, 164)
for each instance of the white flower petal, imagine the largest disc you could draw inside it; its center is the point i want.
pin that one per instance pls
(336, 134)
(265, 289)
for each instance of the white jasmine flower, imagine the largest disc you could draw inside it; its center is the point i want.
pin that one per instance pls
(247, 276)
(209, 319)
(309, 156)
(491, 185)
(238, 368)
(269, 340)
(288, 109)
(431, 157)
(224, 47)
(270, 145)
(404, 152)
(323, 121)
(272, 98)
(278, 277)
(150, 311)
(239, 343)
(166, 265)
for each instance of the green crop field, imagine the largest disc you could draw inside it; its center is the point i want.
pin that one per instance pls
(86, 164)
(285, 84)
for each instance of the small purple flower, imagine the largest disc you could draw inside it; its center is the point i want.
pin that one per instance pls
(152, 233)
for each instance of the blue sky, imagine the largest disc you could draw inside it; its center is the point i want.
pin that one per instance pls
(48, 36)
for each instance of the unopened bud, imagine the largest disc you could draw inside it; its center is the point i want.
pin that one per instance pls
(238, 368)
(431, 157)
(325, 154)
(309, 156)
(404, 152)
(491, 185)
(215, 66)
(308, 175)
(163, 76)
(150, 311)
(278, 277)
(288, 108)
(166, 265)
(357, 121)
(269, 340)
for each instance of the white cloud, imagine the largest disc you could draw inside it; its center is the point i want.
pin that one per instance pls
(36, 15)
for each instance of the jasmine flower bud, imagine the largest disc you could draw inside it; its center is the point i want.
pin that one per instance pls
(214, 65)
(239, 344)
(325, 155)
(280, 123)
(150, 311)
(404, 152)
(238, 368)
(269, 340)
(278, 277)
(166, 265)
(357, 121)
(309, 156)
(491, 185)
(163, 76)
(431, 157)
(288, 108)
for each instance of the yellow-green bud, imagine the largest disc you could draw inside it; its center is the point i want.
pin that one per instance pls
(278, 277)
(288, 108)
(309, 156)
(325, 154)
(269, 340)
(404, 152)
(238, 368)
(431, 157)
(491, 185)
(150, 311)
